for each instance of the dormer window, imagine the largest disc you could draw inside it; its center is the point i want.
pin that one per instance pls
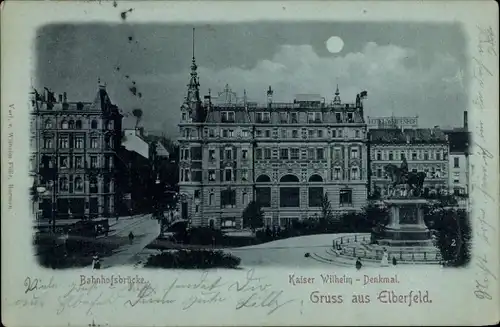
(350, 117)
(227, 116)
(283, 117)
(263, 117)
(338, 117)
(294, 118)
(184, 116)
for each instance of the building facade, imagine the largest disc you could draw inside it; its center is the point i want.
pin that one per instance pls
(74, 146)
(425, 150)
(283, 155)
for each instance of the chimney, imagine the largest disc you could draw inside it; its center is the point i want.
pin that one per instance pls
(60, 97)
(466, 125)
(65, 97)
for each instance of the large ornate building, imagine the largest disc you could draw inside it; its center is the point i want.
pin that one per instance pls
(425, 150)
(284, 155)
(74, 147)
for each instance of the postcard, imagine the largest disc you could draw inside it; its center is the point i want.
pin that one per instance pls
(248, 163)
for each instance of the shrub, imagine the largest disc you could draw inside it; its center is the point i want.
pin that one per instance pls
(195, 259)
(205, 236)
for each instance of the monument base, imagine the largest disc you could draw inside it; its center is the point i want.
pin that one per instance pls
(407, 226)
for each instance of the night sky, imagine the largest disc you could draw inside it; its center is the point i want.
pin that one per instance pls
(407, 69)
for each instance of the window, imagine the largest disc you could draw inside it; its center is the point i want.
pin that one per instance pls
(456, 162)
(258, 154)
(109, 142)
(263, 117)
(379, 155)
(426, 155)
(310, 154)
(356, 133)
(267, 153)
(391, 155)
(228, 198)
(289, 197)
(79, 142)
(334, 133)
(295, 134)
(294, 154)
(71, 124)
(456, 177)
(93, 162)
(338, 154)
(78, 162)
(413, 156)
(339, 133)
(47, 143)
(315, 196)
(311, 134)
(64, 124)
(244, 133)
(319, 154)
(48, 124)
(93, 185)
(211, 175)
(211, 132)
(438, 155)
(345, 198)
(354, 173)
(379, 172)
(320, 133)
(63, 160)
(294, 118)
(244, 175)
(350, 118)
(336, 173)
(187, 175)
(244, 154)
(93, 124)
(78, 184)
(283, 117)
(314, 117)
(263, 196)
(228, 155)
(258, 133)
(64, 142)
(64, 184)
(231, 133)
(283, 153)
(354, 153)
(227, 116)
(93, 142)
(244, 198)
(197, 194)
(267, 133)
(338, 117)
(211, 199)
(228, 174)
(184, 116)
(283, 134)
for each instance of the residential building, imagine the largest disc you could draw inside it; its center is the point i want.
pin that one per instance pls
(286, 156)
(425, 150)
(74, 150)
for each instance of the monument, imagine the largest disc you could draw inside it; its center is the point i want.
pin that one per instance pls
(406, 225)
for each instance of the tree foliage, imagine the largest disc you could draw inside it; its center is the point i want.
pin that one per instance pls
(253, 216)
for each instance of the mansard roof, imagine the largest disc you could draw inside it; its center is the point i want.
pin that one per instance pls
(418, 135)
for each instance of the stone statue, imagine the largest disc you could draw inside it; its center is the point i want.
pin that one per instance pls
(401, 176)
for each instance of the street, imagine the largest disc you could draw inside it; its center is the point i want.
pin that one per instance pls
(145, 231)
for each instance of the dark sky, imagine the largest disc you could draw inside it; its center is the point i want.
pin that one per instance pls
(407, 69)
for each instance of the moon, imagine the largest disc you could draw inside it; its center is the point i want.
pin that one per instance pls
(334, 44)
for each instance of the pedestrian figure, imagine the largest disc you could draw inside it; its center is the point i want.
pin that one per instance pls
(394, 262)
(130, 237)
(358, 263)
(96, 263)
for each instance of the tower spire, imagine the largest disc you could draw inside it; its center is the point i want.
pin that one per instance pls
(336, 99)
(193, 42)
(192, 101)
(337, 91)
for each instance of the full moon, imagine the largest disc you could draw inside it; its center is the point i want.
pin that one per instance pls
(334, 44)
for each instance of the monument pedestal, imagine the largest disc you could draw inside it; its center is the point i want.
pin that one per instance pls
(406, 226)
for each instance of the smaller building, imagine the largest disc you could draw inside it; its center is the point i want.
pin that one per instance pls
(425, 150)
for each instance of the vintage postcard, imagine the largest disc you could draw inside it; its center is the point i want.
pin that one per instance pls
(246, 163)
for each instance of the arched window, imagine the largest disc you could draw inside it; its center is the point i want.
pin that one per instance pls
(355, 173)
(315, 178)
(78, 184)
(64, 124)
(263, 179)
(245, 198)
(211, 198)
(71, 124)
(93, 124)
(289, 179)
(78, 124)
(48, 124)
